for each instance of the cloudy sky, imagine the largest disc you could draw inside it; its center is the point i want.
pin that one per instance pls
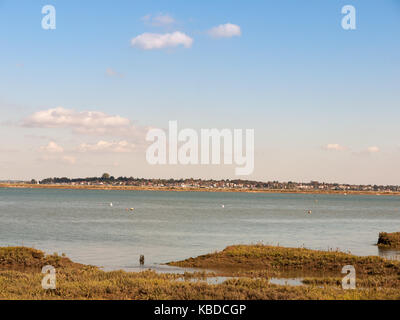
(324, 102)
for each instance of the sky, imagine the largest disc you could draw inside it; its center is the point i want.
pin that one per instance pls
(323, 101)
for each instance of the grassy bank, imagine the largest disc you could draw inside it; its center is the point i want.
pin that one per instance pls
(317, 267)
(280, 261)
(251, 266)
(389, 240)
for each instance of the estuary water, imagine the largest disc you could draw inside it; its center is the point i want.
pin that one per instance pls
(166, 226)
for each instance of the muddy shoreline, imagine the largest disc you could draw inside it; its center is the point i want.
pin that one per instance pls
(135, 188)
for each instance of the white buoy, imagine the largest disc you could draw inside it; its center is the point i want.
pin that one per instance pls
(223, 206)
(111, 204)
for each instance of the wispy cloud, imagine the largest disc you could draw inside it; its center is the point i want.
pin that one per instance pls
(159, 20)
(154, 41)
(338, 147)
(373, 149)
(227, 30)
(368, 151)
(52, 147)
(112, 73)
(105, 146)
(334, 147)
(70, 160)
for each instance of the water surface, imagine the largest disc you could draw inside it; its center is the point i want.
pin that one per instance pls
(168, 226)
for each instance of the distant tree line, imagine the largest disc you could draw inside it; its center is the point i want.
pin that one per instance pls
(107, 178)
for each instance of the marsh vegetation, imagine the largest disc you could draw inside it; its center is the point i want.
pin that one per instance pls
(247, 268)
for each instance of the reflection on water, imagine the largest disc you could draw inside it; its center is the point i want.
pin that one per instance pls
(208, 280)
(219, 280)
(392, 254)
(287, 281)
(159, 268)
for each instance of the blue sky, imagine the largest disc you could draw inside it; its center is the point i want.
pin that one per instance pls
(293, 74)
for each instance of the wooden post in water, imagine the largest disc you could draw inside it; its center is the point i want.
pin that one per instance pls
(141, 260)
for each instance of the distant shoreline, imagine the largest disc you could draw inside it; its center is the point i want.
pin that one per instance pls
(186, 189)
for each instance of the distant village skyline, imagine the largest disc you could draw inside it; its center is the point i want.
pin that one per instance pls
(107, 179)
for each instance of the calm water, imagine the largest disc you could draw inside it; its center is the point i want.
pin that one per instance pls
(167, 226)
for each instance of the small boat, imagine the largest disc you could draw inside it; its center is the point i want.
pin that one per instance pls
(223, 206)
(309, 211)
(131, 209)
(111, 204)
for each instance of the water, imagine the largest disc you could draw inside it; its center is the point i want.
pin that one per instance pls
(218, 280)
(167, 226)
(208, 280)
(287, 281)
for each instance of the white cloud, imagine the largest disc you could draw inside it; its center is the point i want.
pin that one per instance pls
(105, 146)
(373, 149)
(334, 147)
(112, 73)
(368, 151)
(87, 122)
(227, 30)
(51, 152)
(159, 20)
(151, 41)
(52, 147)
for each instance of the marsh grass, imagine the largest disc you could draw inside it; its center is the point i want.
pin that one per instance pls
(389, 240)
(279, 261)
(20, 277)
